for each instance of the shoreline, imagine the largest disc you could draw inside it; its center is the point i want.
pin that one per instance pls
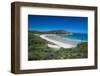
(75, 40)
(59, 41)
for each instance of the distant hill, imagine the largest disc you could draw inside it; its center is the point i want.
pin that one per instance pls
(51, 32)
(57, 32)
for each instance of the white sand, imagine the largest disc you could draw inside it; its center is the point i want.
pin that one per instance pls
(54, 46)
(58, 42)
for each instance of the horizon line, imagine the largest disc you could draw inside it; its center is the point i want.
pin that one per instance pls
(56, 30)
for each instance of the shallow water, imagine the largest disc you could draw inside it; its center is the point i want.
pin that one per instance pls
(76, 37)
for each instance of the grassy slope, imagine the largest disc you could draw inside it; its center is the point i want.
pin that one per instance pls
(38, 50)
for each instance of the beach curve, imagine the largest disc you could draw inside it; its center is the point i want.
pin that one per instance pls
(59, 41)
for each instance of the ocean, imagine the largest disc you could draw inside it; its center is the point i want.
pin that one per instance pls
(77, 37)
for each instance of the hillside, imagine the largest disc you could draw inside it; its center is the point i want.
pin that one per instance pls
(51, 32)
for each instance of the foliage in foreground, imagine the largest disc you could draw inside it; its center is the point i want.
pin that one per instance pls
(38, 50)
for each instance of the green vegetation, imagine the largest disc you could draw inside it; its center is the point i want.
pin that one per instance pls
(38, 50)
(51, 32)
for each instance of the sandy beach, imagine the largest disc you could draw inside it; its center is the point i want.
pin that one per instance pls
(59, 41)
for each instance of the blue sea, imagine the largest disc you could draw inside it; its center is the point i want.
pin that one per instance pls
(77, 37)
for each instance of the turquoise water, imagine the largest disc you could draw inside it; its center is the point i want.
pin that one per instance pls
(77, 37)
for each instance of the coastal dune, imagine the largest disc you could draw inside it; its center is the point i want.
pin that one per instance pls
(59, 41)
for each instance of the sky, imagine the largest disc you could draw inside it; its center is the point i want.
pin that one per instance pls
(67, 23)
